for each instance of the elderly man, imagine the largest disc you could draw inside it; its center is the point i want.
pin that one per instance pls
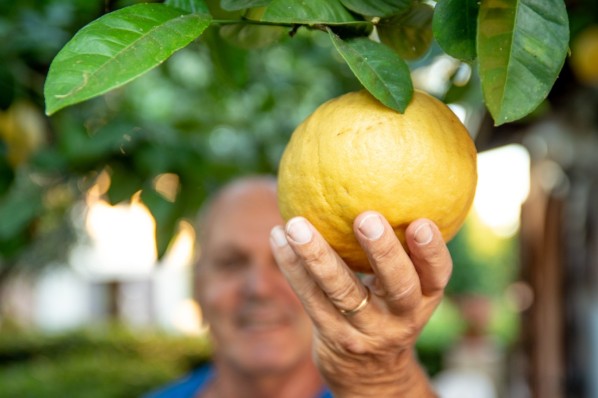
(290, 320)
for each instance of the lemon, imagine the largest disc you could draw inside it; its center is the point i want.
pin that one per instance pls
(354, 154)
(22, 128)
(584, 56)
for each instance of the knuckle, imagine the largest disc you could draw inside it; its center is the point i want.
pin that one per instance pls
(406, 295)
(356, 347)
(441, 281)
(341, 293)
(288, 256)
(314, 253)
(352, 343)
(411, 329)
(436, 255)
(406, 329)
(308, 292)
(384, 251)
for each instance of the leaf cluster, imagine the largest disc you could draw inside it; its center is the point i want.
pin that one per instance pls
(518, 46)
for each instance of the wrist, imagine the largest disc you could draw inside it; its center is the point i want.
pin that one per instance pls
(404, 378)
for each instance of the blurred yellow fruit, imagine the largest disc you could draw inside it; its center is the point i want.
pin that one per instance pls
(584, 56)
(355, 154)
(23, 129)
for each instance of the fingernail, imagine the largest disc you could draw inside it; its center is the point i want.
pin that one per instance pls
(371, 226)
(278, 237)
(299, 231)
(423, 234)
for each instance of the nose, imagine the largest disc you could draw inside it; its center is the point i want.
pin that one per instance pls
(262, 277)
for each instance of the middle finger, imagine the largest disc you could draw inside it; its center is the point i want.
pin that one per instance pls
(397, 280)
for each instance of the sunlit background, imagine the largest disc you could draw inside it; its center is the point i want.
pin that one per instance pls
(120, 246)
(117, 259)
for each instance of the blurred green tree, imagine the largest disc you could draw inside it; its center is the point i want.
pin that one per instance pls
(212, 111)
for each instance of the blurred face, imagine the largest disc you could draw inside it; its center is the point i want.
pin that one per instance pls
(256, 320)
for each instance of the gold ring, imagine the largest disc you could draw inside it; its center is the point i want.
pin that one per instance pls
(360, 306)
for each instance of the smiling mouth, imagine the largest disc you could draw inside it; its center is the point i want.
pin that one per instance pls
(262, 322)
(262, 327)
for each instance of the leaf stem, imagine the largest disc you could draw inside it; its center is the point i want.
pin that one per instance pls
(317, 25)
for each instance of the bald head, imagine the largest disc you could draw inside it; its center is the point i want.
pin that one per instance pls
(243, 195)
(237, 190)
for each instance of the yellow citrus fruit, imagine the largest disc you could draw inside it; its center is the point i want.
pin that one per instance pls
(22, 127)
(584, 55)
(355, 154)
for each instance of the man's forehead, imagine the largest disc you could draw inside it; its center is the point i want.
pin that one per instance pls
(241, 198)
(246, 218)
(248, 186)
(246, 207)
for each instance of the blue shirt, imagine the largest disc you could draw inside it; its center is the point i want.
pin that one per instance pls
(195, 382)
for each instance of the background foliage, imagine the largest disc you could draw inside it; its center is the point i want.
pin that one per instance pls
(94, 363)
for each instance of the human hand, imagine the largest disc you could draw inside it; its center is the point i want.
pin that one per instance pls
(367, 351)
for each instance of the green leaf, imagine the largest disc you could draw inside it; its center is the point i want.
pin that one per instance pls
(191, 6)
(19, 207)
(455, 27)
(220, 13)
(248, 36)
(7, 174)
(166, 215)
(521, 46)
(231, 64)
(251, 36)
(377, 8)
(13, 245)
(117, 48)
(410, 33)
(124, 182)
(81, 149)
(234, 5)
(307, 12)
(381, 71)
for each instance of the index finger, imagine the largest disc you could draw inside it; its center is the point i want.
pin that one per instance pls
(317, 275)
(342, 286)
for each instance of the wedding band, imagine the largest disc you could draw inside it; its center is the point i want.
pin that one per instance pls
(360, 306)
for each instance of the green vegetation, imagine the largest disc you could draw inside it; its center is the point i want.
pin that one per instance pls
(98, 363)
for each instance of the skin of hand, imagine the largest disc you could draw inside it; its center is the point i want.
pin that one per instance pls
(370, 353)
